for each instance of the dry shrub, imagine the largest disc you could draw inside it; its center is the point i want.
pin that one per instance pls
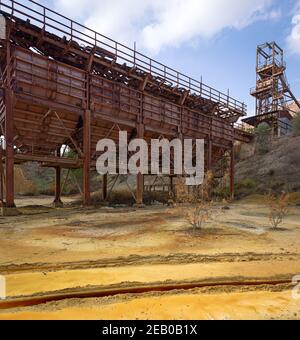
(194, 194)
(278, 206)
(182, 191)
(207, 186)
(201, 213)
(201, 208)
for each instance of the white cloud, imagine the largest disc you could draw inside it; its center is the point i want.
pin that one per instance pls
(293, 40)
(158, 24)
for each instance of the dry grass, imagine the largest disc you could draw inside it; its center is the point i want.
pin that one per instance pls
(200, 209)
(294, 198)
(24, 186)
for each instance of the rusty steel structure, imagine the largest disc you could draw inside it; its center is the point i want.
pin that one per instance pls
(272, 92)
(64, 84)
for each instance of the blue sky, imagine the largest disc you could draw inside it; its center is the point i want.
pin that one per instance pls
(215, 39)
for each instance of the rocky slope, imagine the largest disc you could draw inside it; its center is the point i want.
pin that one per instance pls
(278, 169)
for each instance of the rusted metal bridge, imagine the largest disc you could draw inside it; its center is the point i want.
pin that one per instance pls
(64, 84)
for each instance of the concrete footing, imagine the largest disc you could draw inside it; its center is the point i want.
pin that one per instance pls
(58, 204)
(139, 206)
(9, 211)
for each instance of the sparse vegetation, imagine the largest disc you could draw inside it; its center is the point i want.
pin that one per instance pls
(248, 183)
(200, 214)
(201, 208)
(263, 138)
(294, 198)
(296, 124)
(278, 206)
(278, 170)
(23, 186)
(222, 193)
(244, 188)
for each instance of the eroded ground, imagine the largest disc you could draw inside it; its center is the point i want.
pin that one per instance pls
(72, 250)
(190, 305)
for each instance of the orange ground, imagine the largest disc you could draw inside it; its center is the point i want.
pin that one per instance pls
(47, 250)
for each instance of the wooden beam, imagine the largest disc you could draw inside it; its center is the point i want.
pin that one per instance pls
(65, 163)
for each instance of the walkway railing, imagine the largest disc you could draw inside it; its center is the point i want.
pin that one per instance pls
(58, 24)
(244, 128)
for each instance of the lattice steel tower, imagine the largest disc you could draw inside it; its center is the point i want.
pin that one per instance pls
(272, 92)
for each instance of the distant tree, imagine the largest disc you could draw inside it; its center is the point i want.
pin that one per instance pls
(263, 135)
(296, 124)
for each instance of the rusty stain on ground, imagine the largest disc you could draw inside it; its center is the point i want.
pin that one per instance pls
(71, 247)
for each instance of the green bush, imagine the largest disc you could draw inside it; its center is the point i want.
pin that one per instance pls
(246, 187)
(248, 183)
(296, 124)
(263, 135)
(223, 193)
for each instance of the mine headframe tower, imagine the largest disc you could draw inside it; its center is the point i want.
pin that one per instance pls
(272, 92)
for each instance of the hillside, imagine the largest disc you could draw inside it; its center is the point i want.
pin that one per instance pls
(279, 169)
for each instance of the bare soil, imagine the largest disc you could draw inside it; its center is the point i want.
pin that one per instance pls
(50, 251)
(190, 305)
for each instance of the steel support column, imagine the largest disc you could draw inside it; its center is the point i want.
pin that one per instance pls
(209, 155)
(87, 157)
(140, 177)
(172, 186)
(232, 173)
(57, 201)
(1, 176)
(9, 149)
(140, 190)
(209, 163)
(104, 188)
